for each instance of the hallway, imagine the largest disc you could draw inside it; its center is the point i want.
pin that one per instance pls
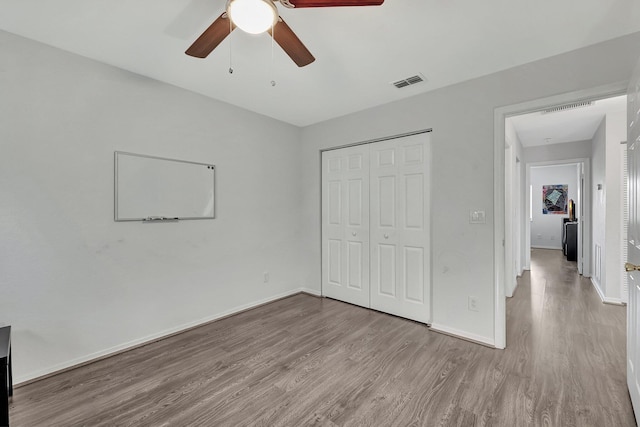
(571, 346)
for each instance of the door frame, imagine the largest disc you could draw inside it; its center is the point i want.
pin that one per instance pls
(509, 239)
(513, 217)
(520, 210)
(501, 259)
(624, 219)
(583, 169)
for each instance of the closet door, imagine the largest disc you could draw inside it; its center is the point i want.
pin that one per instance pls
(399, 231)
(345, 224)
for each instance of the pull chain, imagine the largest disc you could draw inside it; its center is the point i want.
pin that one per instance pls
(273, 35)
(230, 58)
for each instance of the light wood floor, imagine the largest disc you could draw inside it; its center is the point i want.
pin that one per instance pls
(306, 361)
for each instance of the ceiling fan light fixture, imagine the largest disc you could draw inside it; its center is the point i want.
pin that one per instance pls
(252, 16)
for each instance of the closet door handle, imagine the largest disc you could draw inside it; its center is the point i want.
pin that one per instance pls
(386, 236)
(353, 233)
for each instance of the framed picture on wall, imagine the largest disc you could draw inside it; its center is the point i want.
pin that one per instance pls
(554, 199)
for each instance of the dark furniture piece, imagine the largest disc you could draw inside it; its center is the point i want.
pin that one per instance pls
(6, 379)
(564, 235)
(570, 241)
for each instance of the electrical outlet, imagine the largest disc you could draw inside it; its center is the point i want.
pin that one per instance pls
(265, 277)
(473, 303)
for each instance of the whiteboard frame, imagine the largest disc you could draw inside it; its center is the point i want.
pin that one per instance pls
(156, 219)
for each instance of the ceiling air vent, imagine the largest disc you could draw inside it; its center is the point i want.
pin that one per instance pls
(568, 107)
(409, 81)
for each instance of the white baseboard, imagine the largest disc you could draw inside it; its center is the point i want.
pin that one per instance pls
(478, 339)
(130, 345)
(597, 288)
(309, 291)
(603, 298)
(513, 291)
(546, 247)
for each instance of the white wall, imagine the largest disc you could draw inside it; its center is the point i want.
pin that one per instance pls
(552, 152)
(607, 202)
(75, 284)
(616, 132)
(546, 230)
(462, 118)
(598, 200)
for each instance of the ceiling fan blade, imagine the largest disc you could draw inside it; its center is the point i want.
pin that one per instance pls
(211, 37)
(291, 44)
(333, 3)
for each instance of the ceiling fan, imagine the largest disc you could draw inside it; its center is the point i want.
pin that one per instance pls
(258, 16)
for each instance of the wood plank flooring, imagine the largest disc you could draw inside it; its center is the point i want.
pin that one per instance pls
(307, 361)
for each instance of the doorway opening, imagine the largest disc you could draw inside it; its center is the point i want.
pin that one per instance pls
(514, 197)
(562, 230)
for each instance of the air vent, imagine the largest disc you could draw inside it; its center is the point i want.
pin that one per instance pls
(409, 81)
(569, 107)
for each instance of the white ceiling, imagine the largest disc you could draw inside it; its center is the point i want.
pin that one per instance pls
(359, 50)
(578, 124)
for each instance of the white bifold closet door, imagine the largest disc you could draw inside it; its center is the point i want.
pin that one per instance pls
(345, 224)
(375, 226)
(399, 230)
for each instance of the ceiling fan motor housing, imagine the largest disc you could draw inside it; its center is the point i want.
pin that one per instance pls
(270, 22)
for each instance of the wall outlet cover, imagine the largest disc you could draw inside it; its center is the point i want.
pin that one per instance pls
(477, 217)
(473, 303)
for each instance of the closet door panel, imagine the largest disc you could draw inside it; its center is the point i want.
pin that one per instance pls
(386, 270)
(345, 225)
(414, 274)
(355, 207)
(414, 201)
(386, 200)
(334, 255)
(400, 241)
(356, 261)
(334, 202)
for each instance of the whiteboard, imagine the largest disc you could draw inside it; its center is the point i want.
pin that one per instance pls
(151, 188)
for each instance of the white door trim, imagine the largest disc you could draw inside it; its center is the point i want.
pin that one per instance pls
(509, 160)
(624, 220)
(500, 115)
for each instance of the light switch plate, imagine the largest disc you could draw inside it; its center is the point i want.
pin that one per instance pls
(477, 217)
